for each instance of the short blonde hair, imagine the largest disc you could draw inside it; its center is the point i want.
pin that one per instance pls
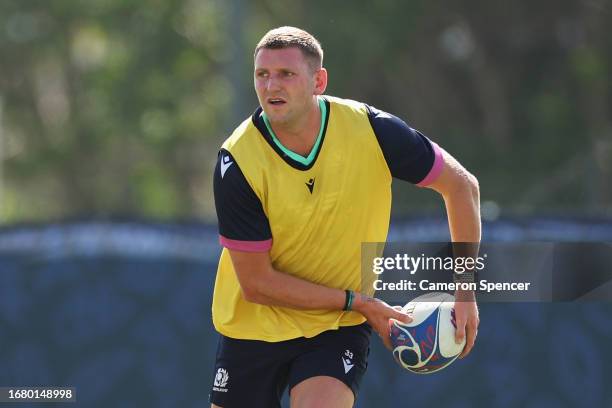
(285, 37)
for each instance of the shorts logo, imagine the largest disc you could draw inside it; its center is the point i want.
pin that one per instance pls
(221, 380)
(347, 361)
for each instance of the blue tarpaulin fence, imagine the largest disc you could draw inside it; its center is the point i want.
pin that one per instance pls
(121, 312)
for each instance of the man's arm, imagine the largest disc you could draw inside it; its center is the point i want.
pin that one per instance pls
(412, 157)
(261, 283)
(461, 194)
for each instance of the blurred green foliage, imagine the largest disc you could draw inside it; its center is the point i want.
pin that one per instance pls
(116, 107)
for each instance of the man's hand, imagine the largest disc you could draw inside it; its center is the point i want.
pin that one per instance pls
(378, 314)
(466, 317)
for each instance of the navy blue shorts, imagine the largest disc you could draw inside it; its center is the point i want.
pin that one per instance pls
(253, 373)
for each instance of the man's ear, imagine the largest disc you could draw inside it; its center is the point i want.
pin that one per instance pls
(320, 81)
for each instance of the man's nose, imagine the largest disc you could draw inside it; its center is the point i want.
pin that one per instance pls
(273, 83)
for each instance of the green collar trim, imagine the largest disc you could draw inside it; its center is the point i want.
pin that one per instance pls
(294, 156)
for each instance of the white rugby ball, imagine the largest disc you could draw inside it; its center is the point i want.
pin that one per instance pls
(427, 344)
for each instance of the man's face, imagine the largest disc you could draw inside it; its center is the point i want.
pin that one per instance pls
(285, 83)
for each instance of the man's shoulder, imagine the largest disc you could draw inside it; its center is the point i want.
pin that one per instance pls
(346, 104)
(240, 135)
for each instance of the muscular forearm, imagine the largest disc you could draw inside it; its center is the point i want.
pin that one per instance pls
(289, 291)
(280, 289)
(276, 288)
(262, 283)
(463, 211)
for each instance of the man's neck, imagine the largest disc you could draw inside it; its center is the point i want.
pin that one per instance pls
(300, 136)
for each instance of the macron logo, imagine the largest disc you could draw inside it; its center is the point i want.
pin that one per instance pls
(347, 361)
(347, 365)
(310, 185)
(225, 163)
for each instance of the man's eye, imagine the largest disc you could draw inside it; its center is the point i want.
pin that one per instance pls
(289, 74)
(262, 74)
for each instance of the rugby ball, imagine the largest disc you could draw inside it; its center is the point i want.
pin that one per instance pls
(427, 344)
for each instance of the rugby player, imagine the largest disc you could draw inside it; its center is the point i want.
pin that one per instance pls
(298, 187)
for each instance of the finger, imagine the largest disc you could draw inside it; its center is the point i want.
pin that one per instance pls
(471, 339)
(401, 316)
(460, 332)
(386, 341)
(385, 335)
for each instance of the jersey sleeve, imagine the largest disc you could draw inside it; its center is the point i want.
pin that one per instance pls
(243, 225)
(410, 155)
